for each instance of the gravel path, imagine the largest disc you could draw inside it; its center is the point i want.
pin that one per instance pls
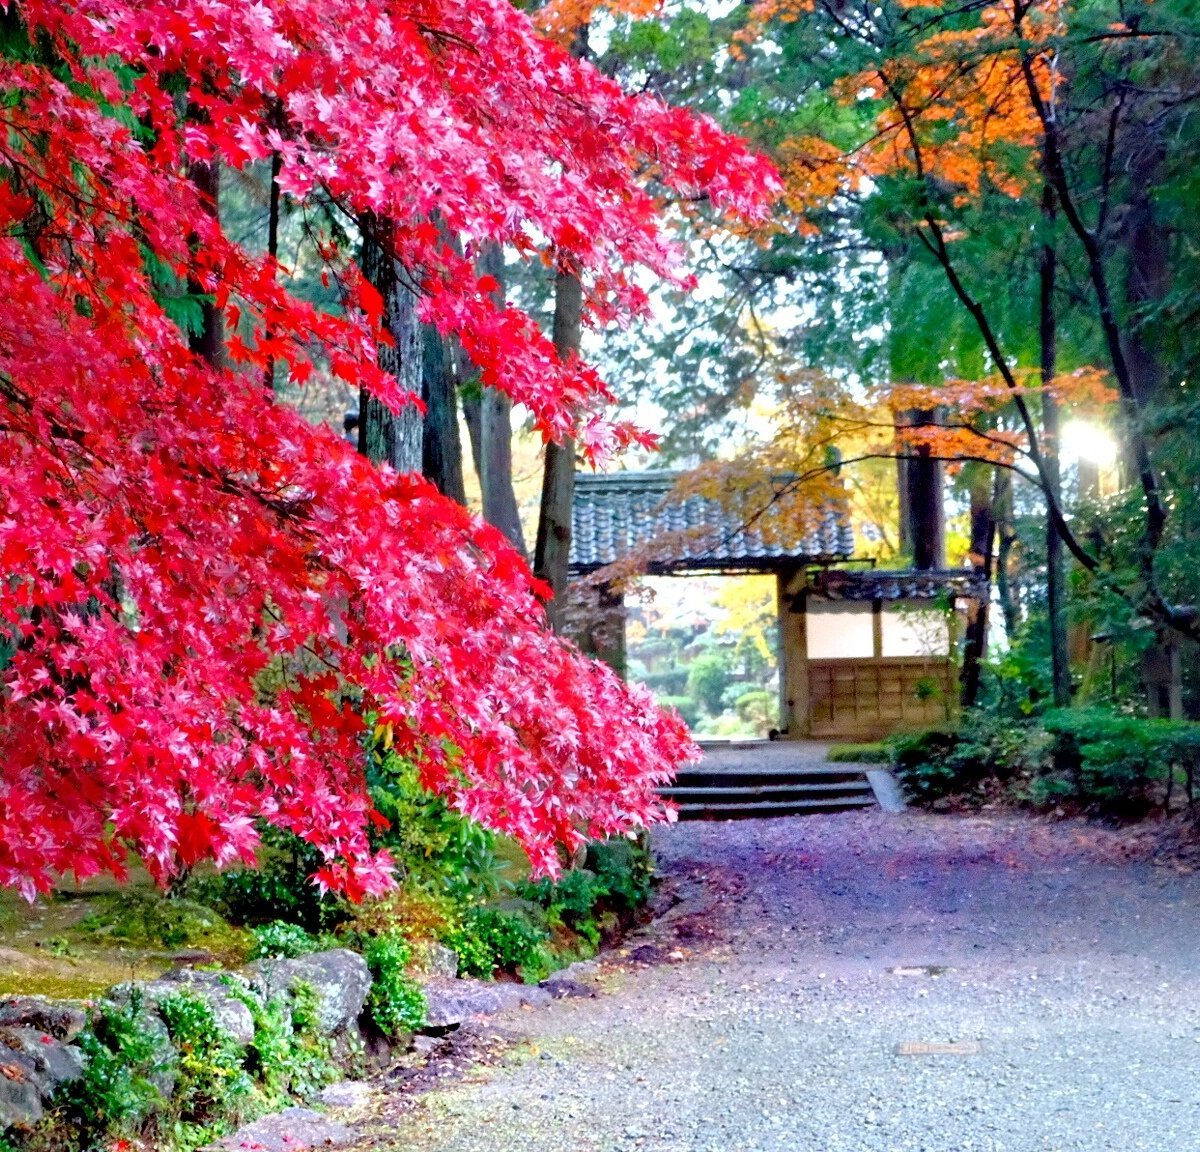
(773, 1020)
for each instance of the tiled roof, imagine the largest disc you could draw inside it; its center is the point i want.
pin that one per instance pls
(612, 514)
(906, 584)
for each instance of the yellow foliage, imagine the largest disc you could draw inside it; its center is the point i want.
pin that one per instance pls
(750, 611)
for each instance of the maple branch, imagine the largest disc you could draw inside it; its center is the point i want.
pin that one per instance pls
(794, 483)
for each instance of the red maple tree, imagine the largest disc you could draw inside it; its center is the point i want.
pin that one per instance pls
(206, 601)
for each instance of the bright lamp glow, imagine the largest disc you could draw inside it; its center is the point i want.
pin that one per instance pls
(1090, 443)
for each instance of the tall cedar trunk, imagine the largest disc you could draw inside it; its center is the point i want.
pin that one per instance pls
(208, 341)
(383, 435)
(441, 452)
(903, 507)
(1060, 666)
(1002, 512)
(1149, 280)
(921, 477)
(983, 545)
(488, 415)
(553, 549)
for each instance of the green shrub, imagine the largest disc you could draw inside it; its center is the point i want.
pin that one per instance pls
(626, 869)
(1113, 765)
(672, 682)
(289, 1055)
(859, 754)
(685, 706)
(127, 1064)
(961, 759)
(278, 889)
(707, 680)
(410, 910)
(492, 939)
(431, 843)
(926, 764)
(396, 1001)
(613, 885)
(212, 1091)
(758, 707)
(1100, 762)
(174, 1080)
(575, 901)
(280, 940)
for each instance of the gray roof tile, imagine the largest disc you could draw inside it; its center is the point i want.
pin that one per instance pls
(614, 513)
(898, 584)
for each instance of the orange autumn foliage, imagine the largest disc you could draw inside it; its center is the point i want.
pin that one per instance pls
(814, 171)
(561, 20)
(831, 438)
(955, 108)
(965, 429)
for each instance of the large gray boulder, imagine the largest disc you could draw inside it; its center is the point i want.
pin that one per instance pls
(341, 979)
(230, 1014)
(287, 1131)
(451, 1002)
(34, 1065)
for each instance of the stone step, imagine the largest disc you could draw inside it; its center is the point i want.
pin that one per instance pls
(715, 810)
(702, 793)
(698, 778)
(687, 793)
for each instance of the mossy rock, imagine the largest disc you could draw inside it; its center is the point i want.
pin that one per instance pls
(147, 920)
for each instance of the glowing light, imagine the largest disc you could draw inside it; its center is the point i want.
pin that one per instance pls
(1089, 443)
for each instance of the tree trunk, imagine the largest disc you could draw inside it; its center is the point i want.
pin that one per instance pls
(903, 508)
(553, 549)
(383, 435)
(499, 498)
(1060, 667)
(983, 538)
(921, 500)
(472, 409)
(273, 208)
(207, 342)
(1002, 512)
(441, 444)
(489, 424)
(1149, 280)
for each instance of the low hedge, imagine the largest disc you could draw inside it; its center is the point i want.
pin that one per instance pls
(1088, 759)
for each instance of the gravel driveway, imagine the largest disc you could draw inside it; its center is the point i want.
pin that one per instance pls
(1066, 987)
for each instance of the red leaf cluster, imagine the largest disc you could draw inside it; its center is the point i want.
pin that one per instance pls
(201, 595)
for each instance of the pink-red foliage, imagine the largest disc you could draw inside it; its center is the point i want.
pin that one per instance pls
(205, 598)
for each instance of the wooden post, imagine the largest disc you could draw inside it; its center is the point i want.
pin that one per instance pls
(793, 653)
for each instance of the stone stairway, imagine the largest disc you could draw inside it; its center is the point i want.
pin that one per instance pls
(753, 786)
